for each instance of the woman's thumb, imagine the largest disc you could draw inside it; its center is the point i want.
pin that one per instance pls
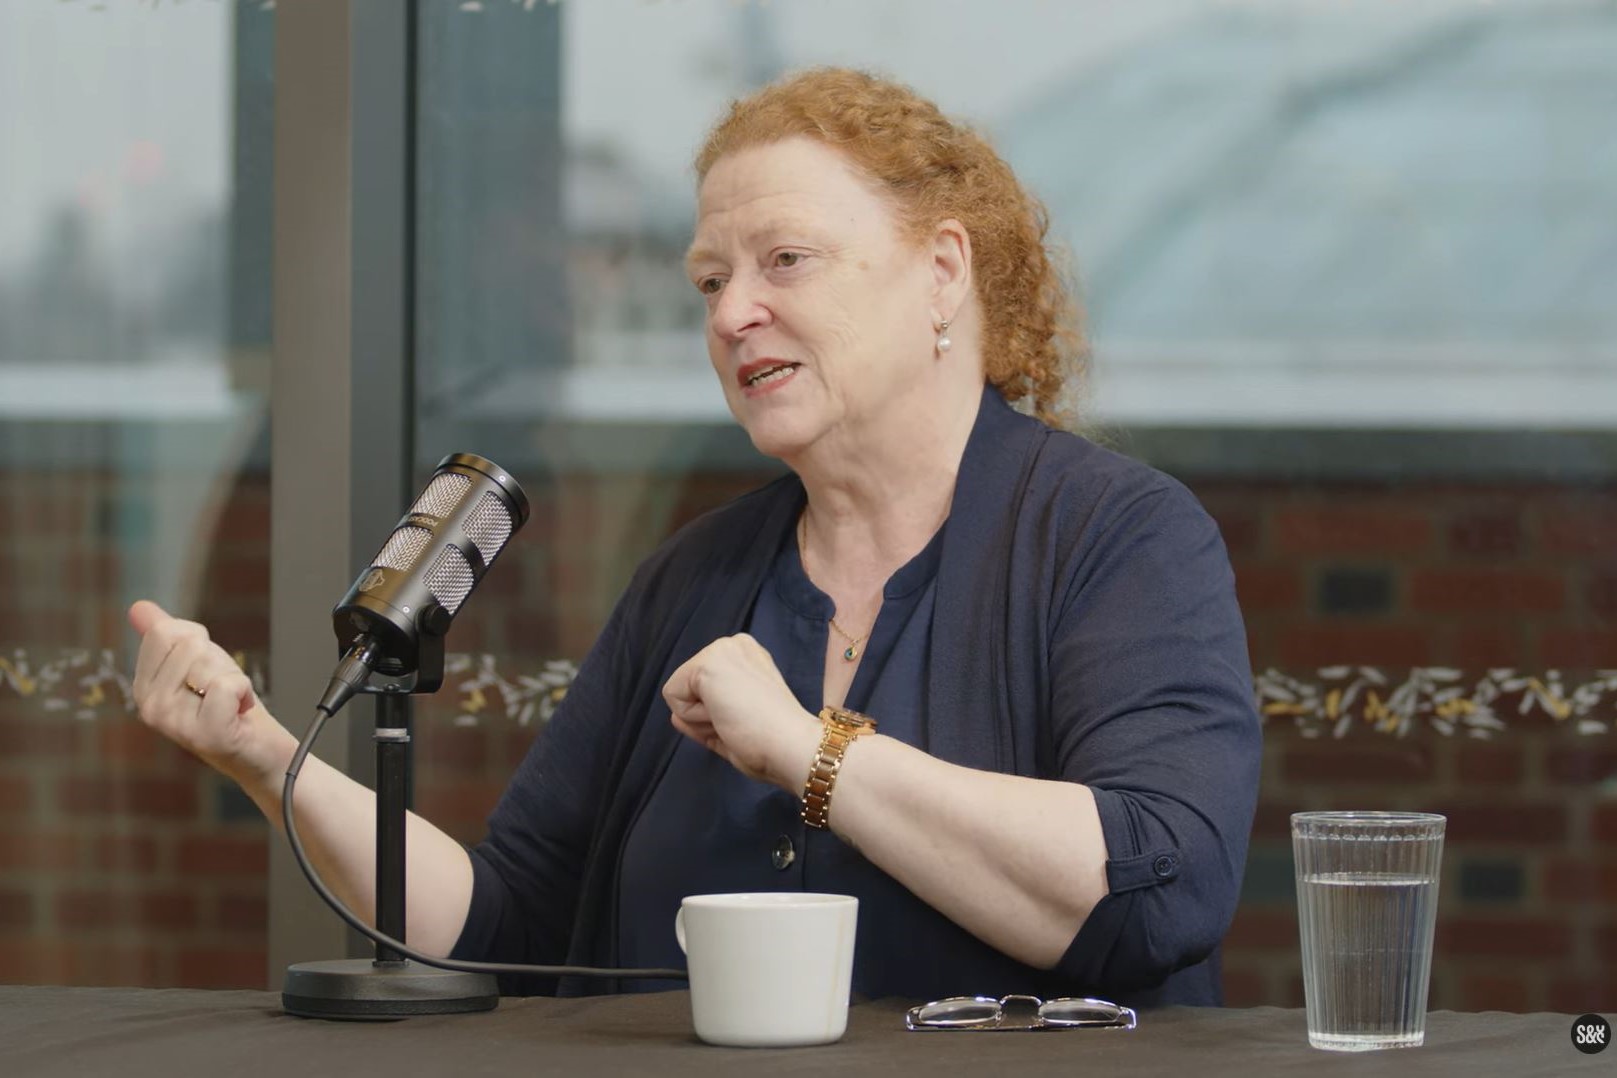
(145, 614)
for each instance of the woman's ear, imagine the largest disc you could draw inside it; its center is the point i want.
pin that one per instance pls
(951, 268)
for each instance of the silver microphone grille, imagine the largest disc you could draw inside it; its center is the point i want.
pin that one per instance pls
(449, 579)
(403, 549)
(442, 494)
(489, 526)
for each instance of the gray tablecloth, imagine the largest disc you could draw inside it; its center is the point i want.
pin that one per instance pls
(132, 1032)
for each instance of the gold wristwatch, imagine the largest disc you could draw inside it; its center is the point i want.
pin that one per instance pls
(841, 727)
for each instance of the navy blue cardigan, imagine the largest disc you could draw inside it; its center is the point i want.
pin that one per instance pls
(1085, 629)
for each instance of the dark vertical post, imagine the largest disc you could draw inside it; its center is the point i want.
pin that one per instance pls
(342, 410)
(392, 782)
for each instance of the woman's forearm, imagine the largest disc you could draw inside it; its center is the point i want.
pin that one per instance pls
(336, 819)
(1017, 862)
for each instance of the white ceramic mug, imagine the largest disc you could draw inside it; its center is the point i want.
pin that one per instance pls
(770, 969)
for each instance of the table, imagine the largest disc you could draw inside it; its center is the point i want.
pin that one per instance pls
(170, 1032)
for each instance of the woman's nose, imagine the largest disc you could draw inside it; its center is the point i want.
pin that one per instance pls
(740, 308)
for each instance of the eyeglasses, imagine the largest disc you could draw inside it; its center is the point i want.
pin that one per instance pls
(987, 1014)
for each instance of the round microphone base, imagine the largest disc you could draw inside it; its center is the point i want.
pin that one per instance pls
(358, 989)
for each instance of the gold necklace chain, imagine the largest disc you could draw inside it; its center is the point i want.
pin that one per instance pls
(851, 652)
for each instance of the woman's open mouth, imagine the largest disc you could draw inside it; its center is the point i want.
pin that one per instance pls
(765, 376)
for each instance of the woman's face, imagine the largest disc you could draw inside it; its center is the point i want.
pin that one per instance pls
(819, 315)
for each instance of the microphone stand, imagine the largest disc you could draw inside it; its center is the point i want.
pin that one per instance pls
(389, 986)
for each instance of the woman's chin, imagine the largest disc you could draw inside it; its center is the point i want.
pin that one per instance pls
(773, 446)
(777, 437)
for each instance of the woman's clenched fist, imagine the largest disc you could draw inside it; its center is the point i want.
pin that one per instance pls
(731, 697)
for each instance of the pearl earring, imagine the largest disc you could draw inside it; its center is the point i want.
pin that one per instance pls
(944, 343)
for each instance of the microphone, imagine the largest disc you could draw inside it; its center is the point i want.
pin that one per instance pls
(392, 624)
(393, 620)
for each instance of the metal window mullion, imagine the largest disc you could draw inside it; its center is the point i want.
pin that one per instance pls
(341, 410)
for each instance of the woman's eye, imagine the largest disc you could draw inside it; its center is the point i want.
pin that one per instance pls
(788, 258)
(708, 285)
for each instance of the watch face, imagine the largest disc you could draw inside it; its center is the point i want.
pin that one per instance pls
(850, 719)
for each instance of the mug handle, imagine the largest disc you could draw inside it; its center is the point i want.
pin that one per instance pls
(679, 929)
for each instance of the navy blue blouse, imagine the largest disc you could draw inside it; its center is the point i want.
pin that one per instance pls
(708, 828)
(1077, 622)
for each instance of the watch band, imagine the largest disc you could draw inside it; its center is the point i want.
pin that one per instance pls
(841, 728)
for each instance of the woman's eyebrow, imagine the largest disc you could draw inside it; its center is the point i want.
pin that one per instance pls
(694, 255)
(771, 227)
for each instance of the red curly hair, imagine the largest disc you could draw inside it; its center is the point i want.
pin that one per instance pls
(931, 169)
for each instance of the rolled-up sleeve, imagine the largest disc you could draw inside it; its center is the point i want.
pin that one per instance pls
(1152, 708)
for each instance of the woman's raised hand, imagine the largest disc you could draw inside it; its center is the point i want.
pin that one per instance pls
(190, 690)
(731, 697)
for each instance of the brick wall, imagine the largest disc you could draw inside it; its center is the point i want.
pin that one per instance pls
(123, 861)
(1413, 575)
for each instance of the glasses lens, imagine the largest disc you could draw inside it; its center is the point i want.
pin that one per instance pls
(962, 1011)
(1081, 1012)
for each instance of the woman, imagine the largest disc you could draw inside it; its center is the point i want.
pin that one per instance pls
(1058, 790)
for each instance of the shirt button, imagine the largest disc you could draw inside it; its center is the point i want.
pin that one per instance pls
(1165, 866)
(783, 854)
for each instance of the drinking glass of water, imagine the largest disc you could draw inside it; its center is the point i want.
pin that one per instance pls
(1367, 906)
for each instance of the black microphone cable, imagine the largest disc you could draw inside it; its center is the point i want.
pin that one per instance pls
(358, 925)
